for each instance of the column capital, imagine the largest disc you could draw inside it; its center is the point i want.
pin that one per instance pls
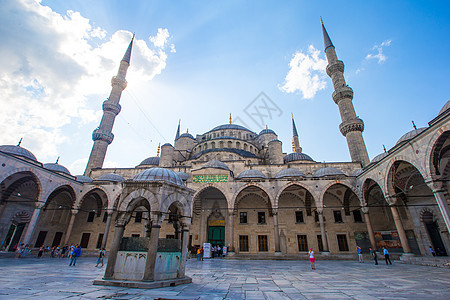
(122, 219)
(365, 209)
(155, 218)
(73, 211)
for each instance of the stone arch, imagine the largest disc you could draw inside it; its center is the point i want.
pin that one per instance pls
(425, 214)
(36, 175)
(268, 201)
(100, 197)
(61, 189)
(126, 204)
(434, 149)
(21, 217)
(284, 187)
(27, 175)
(250, 184)
(389, 188)
(179, 201)
(330, 184)
(197, 201)
(367, 188)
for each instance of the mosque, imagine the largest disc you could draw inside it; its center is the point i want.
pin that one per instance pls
(236, 188)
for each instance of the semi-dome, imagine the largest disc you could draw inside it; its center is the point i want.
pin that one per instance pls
(215, 164)
(410, 135)
(379, 157)
(183, 176)
(251, 174)
(267, 131)
(188, 135)
(111, 177)
(289, 172)
(297, 157)
(445, 107)
(230, 126)
(83, 179)
(328, 171)
(18, 151)
(152, 161)
(159, 174)
(56, 168)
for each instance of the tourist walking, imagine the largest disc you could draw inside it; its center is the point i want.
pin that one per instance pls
(202, 251)
(360, 256)
(100, 256)
(312, 258)
(41, 251)
(373, 252)
(74, 256)
(386, 256)
(19, 250)
(432, 251)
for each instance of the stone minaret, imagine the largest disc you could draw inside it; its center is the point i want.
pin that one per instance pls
(351, 126)
(102, 136)
(177, 135)
(295, 141)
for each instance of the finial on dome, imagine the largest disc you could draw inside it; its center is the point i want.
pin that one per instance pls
(20, 142)
(384, 148)
(230, 118)
(57, 160)
(414, 125)
(293, 145)
(157, 151)
(187, 130)
(267, 127)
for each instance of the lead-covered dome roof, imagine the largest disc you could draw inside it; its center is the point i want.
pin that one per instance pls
(83, 179)
(56, 168)
(188, 135)
(215, 164)
(152, 161)
(159, 174)
(184, 176)
(230, 126)
(18, 151)
(297, 157)
(251, 174)
(445, 107)
(290, 172)
(111, 177)
(267, 131)
(410, 135)
(328, 171)
(379, 157)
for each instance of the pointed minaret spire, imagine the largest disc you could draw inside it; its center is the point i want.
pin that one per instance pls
(295, 140)
(103, 136)
(177, 135)
(352, 126)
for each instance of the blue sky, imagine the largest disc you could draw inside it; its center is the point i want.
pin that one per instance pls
(214, 58)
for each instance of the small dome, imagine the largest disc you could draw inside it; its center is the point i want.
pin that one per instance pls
(83, 179)
(56, 168)
(327, 172)
(379, 157)
(215, 164)
(167, 144)
(410, 135)
(159, 174)
(152, 161)
(111, 177)
(18, 151)
(267, 131)
(445, 107)
(358, 172)
(251, 174)
(188, 135)
(290, 172)
(297, 157)
(183, 176)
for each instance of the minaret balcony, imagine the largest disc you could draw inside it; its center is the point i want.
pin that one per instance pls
(345, 92)
(355, 124)
(111, 107)
(337, 66)
(119, 81)
(103, 135)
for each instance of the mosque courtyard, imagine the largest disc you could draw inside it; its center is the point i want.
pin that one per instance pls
(231, 279)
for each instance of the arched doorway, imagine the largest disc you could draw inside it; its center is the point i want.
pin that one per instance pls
(298, 229)
(209, 218)
(433, 231)
(19, 196)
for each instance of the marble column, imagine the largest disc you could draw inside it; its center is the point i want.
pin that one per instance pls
(32, 224)
(107, 228)
(149, 272)
(443, 207)
(323, 232)
(118, 234)
(230, 231)
(73, 213)
(400, 229)
(185, 224)
(365, 211)
(276, 232)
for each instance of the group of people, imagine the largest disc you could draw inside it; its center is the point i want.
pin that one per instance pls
(199, 252)
(374, 255)
(437, 252)
(22, 250)
(55, 251)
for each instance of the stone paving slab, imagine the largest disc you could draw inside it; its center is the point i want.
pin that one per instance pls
(48, 278)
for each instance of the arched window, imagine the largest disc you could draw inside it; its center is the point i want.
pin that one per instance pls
(239, 135)
(251, 149)
(231, 157)
(230, 144)
(206, 146)
(213, 145)
(222, 133)
(221, 144)
(238, 145)
(245, 147)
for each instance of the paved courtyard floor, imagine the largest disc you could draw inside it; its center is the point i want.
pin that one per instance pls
(231, 279)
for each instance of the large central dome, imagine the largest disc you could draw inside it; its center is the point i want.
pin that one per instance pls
(230, 126)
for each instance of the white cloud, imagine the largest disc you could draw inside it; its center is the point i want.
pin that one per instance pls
(52, 63)
(378, 52)
(306, 74)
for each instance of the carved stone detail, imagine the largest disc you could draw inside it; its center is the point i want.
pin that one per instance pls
(351, 125)
(338, 66)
